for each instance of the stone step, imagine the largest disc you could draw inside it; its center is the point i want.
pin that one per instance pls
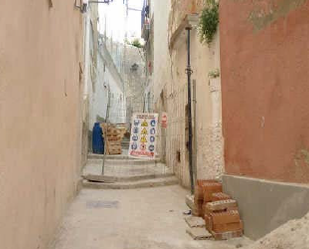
(155, 182)
(125, 161)
(100, 156)
(131, 162)
(113, 179)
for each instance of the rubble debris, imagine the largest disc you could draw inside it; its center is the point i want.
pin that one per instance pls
(198, 233)
(187, 212)
(190, 201)
(194, 221)
(291, 235)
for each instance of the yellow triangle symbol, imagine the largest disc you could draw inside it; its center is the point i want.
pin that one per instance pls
(144, 131)
(145, 124)
(143, 139)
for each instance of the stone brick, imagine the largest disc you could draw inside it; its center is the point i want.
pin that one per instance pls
(225, 217)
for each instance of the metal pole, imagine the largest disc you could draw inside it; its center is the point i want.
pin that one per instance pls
(105, 130)
(194, 130)
(189, 73)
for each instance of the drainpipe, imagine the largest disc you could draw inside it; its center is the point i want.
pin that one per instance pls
(189, 73)
(87, 54)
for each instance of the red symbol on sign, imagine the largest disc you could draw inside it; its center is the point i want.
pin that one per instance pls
(164, 120)
(143, 147)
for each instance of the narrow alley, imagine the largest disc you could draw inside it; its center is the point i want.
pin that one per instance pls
(131, 219)
(154, 124)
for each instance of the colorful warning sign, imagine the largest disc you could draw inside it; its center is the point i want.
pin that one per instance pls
(143, 133)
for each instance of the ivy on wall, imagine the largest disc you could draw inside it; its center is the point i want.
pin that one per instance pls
(208, 22)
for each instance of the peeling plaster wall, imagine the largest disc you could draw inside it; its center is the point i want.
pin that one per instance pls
(170, 94)
(40, 118)
(265, 53)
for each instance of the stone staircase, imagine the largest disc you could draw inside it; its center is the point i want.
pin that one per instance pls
(122, 172)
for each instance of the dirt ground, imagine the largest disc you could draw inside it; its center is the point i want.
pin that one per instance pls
(149, 218)
(292, 235)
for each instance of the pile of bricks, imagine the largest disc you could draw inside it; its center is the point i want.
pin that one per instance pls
(218, 209)
(113, 136)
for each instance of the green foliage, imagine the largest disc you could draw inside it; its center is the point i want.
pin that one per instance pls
(209, 20)
(136, 43)
(214, 73)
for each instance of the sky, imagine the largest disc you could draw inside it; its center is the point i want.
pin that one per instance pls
(116, 23)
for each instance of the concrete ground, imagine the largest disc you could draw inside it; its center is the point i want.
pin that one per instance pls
(131, 219)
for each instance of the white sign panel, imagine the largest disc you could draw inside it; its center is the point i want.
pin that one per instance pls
(143, 135)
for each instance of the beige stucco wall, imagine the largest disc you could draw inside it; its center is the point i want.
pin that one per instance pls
(169, 76)
(40, 51)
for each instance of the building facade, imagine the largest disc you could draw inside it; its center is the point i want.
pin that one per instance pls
(169, 87)
(41, 86)
(264, 61)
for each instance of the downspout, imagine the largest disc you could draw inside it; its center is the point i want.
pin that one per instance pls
(87, 54)
(189, 73)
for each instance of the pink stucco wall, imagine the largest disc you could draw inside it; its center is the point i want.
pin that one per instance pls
(40, 51)
(264, 69)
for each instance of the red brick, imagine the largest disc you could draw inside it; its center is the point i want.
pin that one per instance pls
(210, 188)
(207, 211)
(197, 212)
(220, 196)
(225, 217)
(198, 202)
(198, 194)
(198, 189)
(221, 205)
(208, 222)
(232, 208)
(201, 182)
(229, 227)
(227, 235)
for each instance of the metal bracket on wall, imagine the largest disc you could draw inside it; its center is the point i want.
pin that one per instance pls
(83, 6)
(50, 2)
(79, 6)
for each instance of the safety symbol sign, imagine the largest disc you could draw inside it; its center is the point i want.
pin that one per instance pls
(143, 135)
(145, 124)
(144, 131)
(153, 123)
(143, 140)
